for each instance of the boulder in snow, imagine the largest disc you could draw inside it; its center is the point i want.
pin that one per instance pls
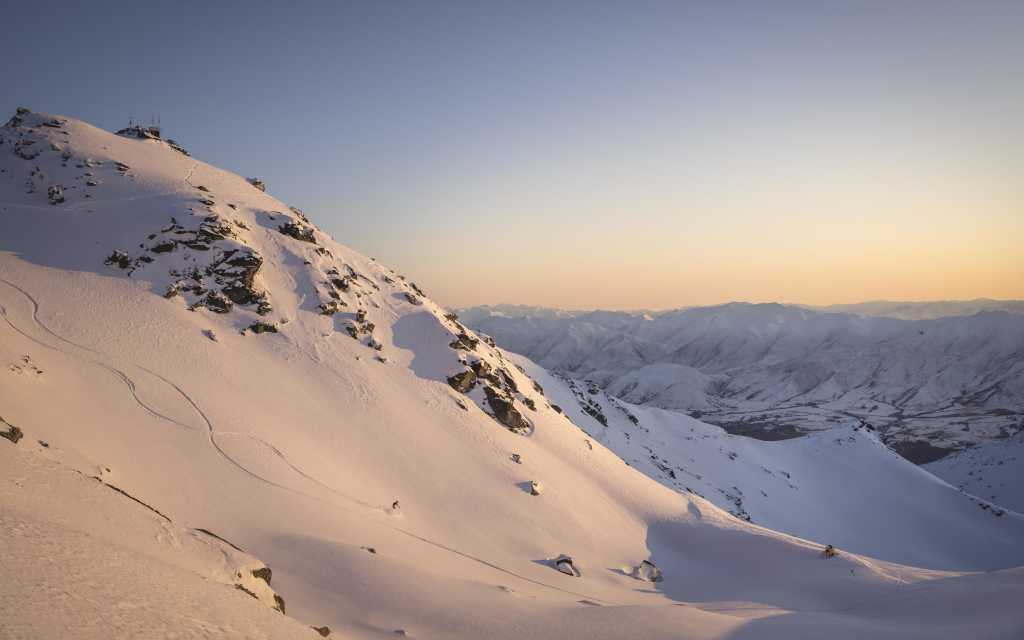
(565, 565)
(505, 412)
(56, 194)
(298, 231)
(261, 327)
(12, 433)
(648, 572)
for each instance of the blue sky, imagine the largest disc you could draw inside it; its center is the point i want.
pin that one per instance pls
(588, 154)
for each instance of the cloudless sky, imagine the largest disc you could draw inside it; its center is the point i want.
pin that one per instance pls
(588, 154)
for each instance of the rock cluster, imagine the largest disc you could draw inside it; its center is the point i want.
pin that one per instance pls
(499, 389)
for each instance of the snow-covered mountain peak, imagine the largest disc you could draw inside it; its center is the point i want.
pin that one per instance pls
(172, 332)
(209, 240)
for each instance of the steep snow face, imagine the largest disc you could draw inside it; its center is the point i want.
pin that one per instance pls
(841, 486)
(775, 371)
(993, 470)
(184, 336)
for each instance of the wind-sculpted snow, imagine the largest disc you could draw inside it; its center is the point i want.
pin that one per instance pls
(774, 371)
(180, 334)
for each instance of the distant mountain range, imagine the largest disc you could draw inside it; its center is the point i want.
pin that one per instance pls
(925, 310)
(930, 385)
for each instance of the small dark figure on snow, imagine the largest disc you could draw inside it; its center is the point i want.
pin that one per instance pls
(829, 552)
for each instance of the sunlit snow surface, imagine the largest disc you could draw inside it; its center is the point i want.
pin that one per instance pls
(296, 445)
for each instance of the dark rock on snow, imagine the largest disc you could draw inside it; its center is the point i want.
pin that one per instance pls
(12, 433)
(505, 412)
(263, 573)
(298, 231)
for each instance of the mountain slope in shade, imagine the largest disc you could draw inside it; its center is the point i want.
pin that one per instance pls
(175, 331)
(774, 371)
(993, 470)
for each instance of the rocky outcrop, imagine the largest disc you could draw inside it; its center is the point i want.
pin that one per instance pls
(298, 231)
(224, 267)
(261, 327)
(565, 564)
(360, 326)
(118, 259)
(263, 573)
(464, 342)
(330, 307)
(505, 412)
(647, 571)
(12, 432)
(55, 194)
(463, 382)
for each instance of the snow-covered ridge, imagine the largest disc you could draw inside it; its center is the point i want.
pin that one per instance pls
(334, 432)
(775, 371)
(201, 248)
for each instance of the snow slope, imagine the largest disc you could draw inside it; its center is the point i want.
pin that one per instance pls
(143, 577)
(993, 470)
(187, 338)
(773, 371)
(841, 486)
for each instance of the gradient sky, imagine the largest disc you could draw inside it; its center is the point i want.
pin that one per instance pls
(588, 154)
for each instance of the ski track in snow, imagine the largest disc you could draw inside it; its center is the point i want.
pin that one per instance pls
(212, 434)
(118, 373)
